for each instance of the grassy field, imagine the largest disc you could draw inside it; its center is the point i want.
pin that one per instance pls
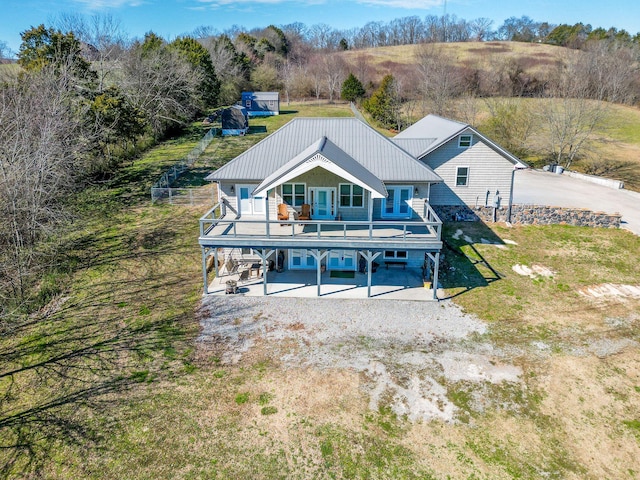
(107, 380)
(533, 57)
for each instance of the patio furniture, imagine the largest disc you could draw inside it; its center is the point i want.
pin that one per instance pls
(231, 288)
(283, 212)
(305, 212)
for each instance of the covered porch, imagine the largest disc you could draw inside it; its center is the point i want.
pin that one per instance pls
(391, 284)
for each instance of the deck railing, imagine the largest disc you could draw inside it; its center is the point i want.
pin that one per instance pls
(409, 231)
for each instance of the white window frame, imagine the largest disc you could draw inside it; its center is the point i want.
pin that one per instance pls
(466, 177)
(468, 140)
(393, 255)
(397, 202)
(293, 193)
(351, 195)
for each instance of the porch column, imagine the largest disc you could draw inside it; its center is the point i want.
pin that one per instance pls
(215, 260)
(204, 270)
(369, 257)
(319, 257)
(266, 210)
(263, 256)
(435, 275)
(370, 214)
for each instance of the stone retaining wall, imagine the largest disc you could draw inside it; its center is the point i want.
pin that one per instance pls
(529, 215)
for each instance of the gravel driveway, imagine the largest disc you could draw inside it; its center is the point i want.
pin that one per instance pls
(407, 350)
(533, 187)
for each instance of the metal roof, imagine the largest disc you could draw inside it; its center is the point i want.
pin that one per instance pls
(376, 153)
(324, 154)
(415, 146)
(434, 131)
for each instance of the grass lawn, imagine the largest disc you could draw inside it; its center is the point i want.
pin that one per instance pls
(107, 380)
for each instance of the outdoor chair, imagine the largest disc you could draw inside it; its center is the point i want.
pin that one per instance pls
(283, 212)
(305, 212)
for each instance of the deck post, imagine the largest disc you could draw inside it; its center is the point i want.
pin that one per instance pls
(263, 256)
(319, 257)
(435, 275)
(369, 257)
(215, 260)
(204, 270)
(370, 216)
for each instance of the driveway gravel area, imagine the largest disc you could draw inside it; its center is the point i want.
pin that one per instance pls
(407, 352)
(533, 187)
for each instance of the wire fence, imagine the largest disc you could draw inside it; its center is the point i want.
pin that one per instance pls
(162, 188)
(184, 196)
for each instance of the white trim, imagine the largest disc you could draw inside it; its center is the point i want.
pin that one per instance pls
(455, 180)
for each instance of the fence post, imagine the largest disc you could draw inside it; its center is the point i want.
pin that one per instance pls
(191, 197)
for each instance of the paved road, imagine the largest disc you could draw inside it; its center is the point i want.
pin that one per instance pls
(545, 188)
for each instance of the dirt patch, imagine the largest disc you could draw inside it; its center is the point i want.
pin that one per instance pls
(609, 290)
(406, 365)
(534, 271)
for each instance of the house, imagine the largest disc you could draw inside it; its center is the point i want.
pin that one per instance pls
(261, 104)
(476, 171)
(324, 194)
(235, 121)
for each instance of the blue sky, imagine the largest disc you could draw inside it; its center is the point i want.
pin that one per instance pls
(171, 18)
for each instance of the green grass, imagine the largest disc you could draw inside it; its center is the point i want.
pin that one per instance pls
(108, 380)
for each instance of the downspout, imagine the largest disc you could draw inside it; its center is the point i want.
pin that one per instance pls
(513, 174)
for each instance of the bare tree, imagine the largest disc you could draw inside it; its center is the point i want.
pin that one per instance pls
(163, 85)
(41, 146)
(481, 28)
(439, 82)
(569, 113)
(334, 71)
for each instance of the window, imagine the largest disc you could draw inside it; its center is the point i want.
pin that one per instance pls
(351, 195)
(462, 176)
(293, 194)
(464, 141)
(396, 254)
(247, 102)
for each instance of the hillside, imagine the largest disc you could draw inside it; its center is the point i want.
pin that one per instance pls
(535, 58)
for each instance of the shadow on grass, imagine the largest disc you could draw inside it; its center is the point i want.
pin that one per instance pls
(463, 266)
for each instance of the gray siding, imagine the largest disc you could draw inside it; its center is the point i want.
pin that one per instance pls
(488, 171)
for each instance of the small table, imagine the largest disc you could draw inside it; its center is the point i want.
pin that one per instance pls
(255, 267)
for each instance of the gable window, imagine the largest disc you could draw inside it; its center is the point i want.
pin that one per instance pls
(462, 176)
(464, 141)
(293, 194)
(351, 195)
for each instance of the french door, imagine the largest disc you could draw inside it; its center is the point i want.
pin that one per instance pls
(342, 260)
(248, 204)
(398, 202)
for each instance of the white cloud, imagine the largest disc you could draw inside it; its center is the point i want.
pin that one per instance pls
(103, 4)
(408, 4)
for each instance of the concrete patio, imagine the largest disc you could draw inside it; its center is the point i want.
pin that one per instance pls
(392, 284)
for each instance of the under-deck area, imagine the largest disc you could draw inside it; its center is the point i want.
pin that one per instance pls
(393, 283)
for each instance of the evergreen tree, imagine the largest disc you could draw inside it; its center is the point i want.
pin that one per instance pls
(384, 104)
(352, 89)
